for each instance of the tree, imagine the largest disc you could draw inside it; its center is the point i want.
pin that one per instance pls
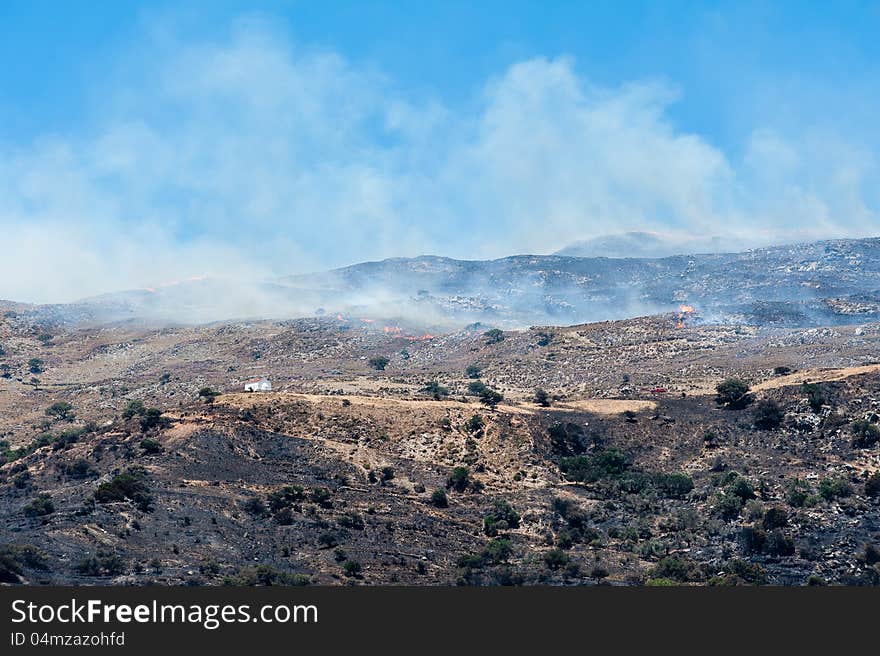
(152, 418)
(768, 415)
(459, 479)
(473, 371)
(542, 398)
(435, 389)
(379, 362)
(494, 336)
(439, 498)
(35, 366)
(815, 397)
(352, 568)
(732, 393)
(208, 394)
(477, 387)
(490, 397)
(475, 424)
(61, 410)
(133, 408)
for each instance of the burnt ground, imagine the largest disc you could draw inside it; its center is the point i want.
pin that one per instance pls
(331, 479)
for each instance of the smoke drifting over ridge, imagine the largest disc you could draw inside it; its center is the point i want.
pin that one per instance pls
(251, 158)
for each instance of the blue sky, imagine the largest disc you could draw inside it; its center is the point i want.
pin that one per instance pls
(142, 141)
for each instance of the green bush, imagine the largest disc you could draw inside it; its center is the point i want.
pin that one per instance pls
(379, 362)
(476, 387)
(352, 568)
(494, 336)
(284, 497)
(103, 563)
(739, 572)
(266, 575)
(815, 397)
(132, 409)
(556, 559)
(542, 398)
(768, 415)
(677, 568)
(435, 389)
(834, 488)
(254, 506)
(78, 469)
(131, 485)
(674, 485)
(475, 424)
(799, 493)
(61, 410)
(208, 394)
(35, 366)
(322, 496)
(473, 371)
(490, 397)
(439, 499)
(150, 446)
(607, 464)
(727, 506)
(500, 518)
(459, 479)
(152, 418)
(732, 393)
(775, 517)
(40, 507)
(865, 434)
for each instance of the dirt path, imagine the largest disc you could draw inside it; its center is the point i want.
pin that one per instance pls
(815, 376)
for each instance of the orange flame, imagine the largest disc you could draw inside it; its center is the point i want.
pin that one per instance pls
(686, 309)
(392, 330)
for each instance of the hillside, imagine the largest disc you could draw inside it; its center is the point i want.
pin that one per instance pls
(632, 473)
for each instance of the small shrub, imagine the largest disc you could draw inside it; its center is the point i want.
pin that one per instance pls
(40, 507)
(352, 568)
(542, 398)
(439, 498)
(435, 389)
(834, 488)
(475, 424)
(815, 397)
(473, 371)
(500, 518)
(556, 559)
(379, 362)
(865, 434)
(131, 485)
(132, 409)
(152, 418)
(459, 479)
(490, 397)
(494, 336)
(768, 415)
(677, 568)
(61, 410)
(732, 393)
(150, 446)
(674, 485)
(254, 506)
